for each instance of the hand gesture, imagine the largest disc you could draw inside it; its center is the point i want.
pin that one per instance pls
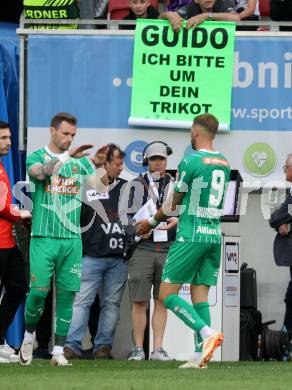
(80, 151)
(175, 21)
(99, 158)
(195, 20)
(283, 229)
(171, 222)
(25, 214)
(143, 227)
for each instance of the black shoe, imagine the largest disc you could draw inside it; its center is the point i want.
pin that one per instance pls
(87, 354)
(70, 354)
(42, 353)
(103, 353)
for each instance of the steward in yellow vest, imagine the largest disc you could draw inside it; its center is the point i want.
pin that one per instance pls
(51, 9)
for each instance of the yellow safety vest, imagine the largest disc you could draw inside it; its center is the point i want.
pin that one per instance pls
(51, 9)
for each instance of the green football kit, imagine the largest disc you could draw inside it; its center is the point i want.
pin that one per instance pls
(56, 237)
(56, 244)
(195, 255)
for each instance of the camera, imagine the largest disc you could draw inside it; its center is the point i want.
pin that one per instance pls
(130, 241)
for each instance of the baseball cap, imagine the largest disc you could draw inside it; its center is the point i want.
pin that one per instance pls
(156, 149)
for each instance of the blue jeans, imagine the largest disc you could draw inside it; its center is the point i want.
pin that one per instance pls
(107, 276)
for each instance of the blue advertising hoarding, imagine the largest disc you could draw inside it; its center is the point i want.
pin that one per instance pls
(91, 77)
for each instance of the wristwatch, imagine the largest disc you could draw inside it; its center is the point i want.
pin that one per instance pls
(210, 15)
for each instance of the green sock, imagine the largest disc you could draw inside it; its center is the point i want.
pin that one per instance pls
(34, 307)
(203, 310)
(64, 308)
(183, 310)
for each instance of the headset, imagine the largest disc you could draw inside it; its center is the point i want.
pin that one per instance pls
(145, 159)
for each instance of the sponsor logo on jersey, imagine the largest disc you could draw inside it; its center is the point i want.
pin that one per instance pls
(209, 212)
(62, 186)
(207, 230)
(215, 161)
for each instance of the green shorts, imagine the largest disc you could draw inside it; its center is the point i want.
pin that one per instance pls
(194, 263)
(60, 255)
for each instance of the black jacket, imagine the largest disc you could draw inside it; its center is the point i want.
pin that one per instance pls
(104, 234)
(283, 244)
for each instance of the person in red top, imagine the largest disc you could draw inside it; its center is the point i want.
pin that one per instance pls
(12, 270)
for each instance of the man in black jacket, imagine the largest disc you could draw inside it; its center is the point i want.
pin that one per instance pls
(281, 221)
(104, 270)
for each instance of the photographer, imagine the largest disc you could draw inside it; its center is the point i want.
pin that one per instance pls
(104, 270)
(145, 267)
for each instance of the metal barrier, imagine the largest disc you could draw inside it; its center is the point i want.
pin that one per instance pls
(114, 24)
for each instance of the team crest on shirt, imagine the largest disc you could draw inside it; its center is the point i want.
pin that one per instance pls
(47, 158)
(75, 169)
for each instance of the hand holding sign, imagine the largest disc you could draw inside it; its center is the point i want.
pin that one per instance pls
(174, 68)
(195, 20)
(175, 20)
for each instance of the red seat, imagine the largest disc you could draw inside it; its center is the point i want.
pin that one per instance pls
(264, 8)
(118, 9)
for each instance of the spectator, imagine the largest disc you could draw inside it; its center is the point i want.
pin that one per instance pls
(145, 267)
(43, 9)
(247, 9)
(12, 268)
(173, 5)
(104, 270)
(139, 9)
(201, 10)
(281, 11)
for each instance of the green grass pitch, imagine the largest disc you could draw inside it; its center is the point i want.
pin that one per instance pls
(107, 375)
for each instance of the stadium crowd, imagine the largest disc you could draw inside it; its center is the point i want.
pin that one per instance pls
(245, 10)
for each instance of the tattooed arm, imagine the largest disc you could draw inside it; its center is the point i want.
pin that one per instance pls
(39, 171)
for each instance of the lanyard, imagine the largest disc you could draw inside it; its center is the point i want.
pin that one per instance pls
(154, 189)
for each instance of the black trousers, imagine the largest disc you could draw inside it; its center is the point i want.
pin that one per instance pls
(13, 279)
(288, 301)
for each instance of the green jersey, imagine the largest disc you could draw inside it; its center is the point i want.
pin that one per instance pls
(203, 176)
(57, 198)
